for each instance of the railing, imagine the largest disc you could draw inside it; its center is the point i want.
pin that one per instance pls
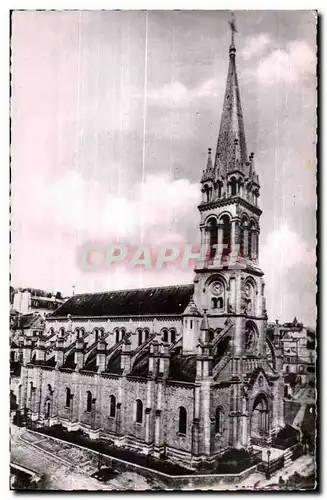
(249, 365)
(274, 465)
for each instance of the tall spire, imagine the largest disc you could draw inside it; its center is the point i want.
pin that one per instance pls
(231, 151)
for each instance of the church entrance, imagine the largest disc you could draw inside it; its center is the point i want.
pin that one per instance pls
(260, 420)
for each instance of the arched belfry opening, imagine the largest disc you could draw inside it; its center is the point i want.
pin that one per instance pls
(227, 231)
(213, 236)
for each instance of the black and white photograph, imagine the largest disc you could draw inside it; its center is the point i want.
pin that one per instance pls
(163, 261)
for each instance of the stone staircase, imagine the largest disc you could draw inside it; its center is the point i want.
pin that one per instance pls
(287, 458)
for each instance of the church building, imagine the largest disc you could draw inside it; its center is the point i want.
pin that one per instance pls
(182, 372)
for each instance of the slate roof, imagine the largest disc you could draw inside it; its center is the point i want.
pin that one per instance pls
(144, 301)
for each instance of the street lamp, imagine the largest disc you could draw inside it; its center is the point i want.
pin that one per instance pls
(268, 465)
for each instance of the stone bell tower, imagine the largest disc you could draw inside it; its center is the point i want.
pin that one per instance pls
(228, 281)
(237, 369)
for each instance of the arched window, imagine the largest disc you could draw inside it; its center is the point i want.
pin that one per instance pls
(233, 186)
(140, 337)
(219, 417)
(122, 333)
(182, 421)
(20, 395)
(77, 331)
(112, 406)
(165, 335)
(207, 193)
(213, 237)
(219, 190)
(214, 302)
(117, 335)
(101, 333)
(96, 334)
(226, 234)
(172, 336)
(242, 231)
(61, 332)
(31, 389)
(67, 397)
(146, 333)
(251, 249)
(47, 409)
(139, 411)
(88, 401)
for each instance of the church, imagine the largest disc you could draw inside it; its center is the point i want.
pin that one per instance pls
(181, 372)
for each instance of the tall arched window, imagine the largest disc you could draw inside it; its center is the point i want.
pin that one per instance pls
(140, 337)
(122, 333)
(251, 249)
(67, 397)
(242, 233)
(213, 237)
(219, 417)
(146, 333)
(47, 409)
(117, 335)
(88, 401)
(77, 332)
(61, 332)
(172, 336)
(226, 234)
(233, 183)
(139, 411)
(96, 334)
(182, 420)
(165, 335)
(112, 406)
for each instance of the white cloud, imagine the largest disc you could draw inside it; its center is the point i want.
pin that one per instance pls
(289, 65)
(255, 46)
(72, 211)
(178, 95)
(283, 249)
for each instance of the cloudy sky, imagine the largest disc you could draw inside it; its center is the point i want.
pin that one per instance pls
(112, 116)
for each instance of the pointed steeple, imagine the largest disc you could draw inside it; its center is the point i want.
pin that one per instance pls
(231, 153)
(208, 173)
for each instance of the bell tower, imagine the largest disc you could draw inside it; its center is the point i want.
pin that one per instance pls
(237, 369)
(228, 279)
